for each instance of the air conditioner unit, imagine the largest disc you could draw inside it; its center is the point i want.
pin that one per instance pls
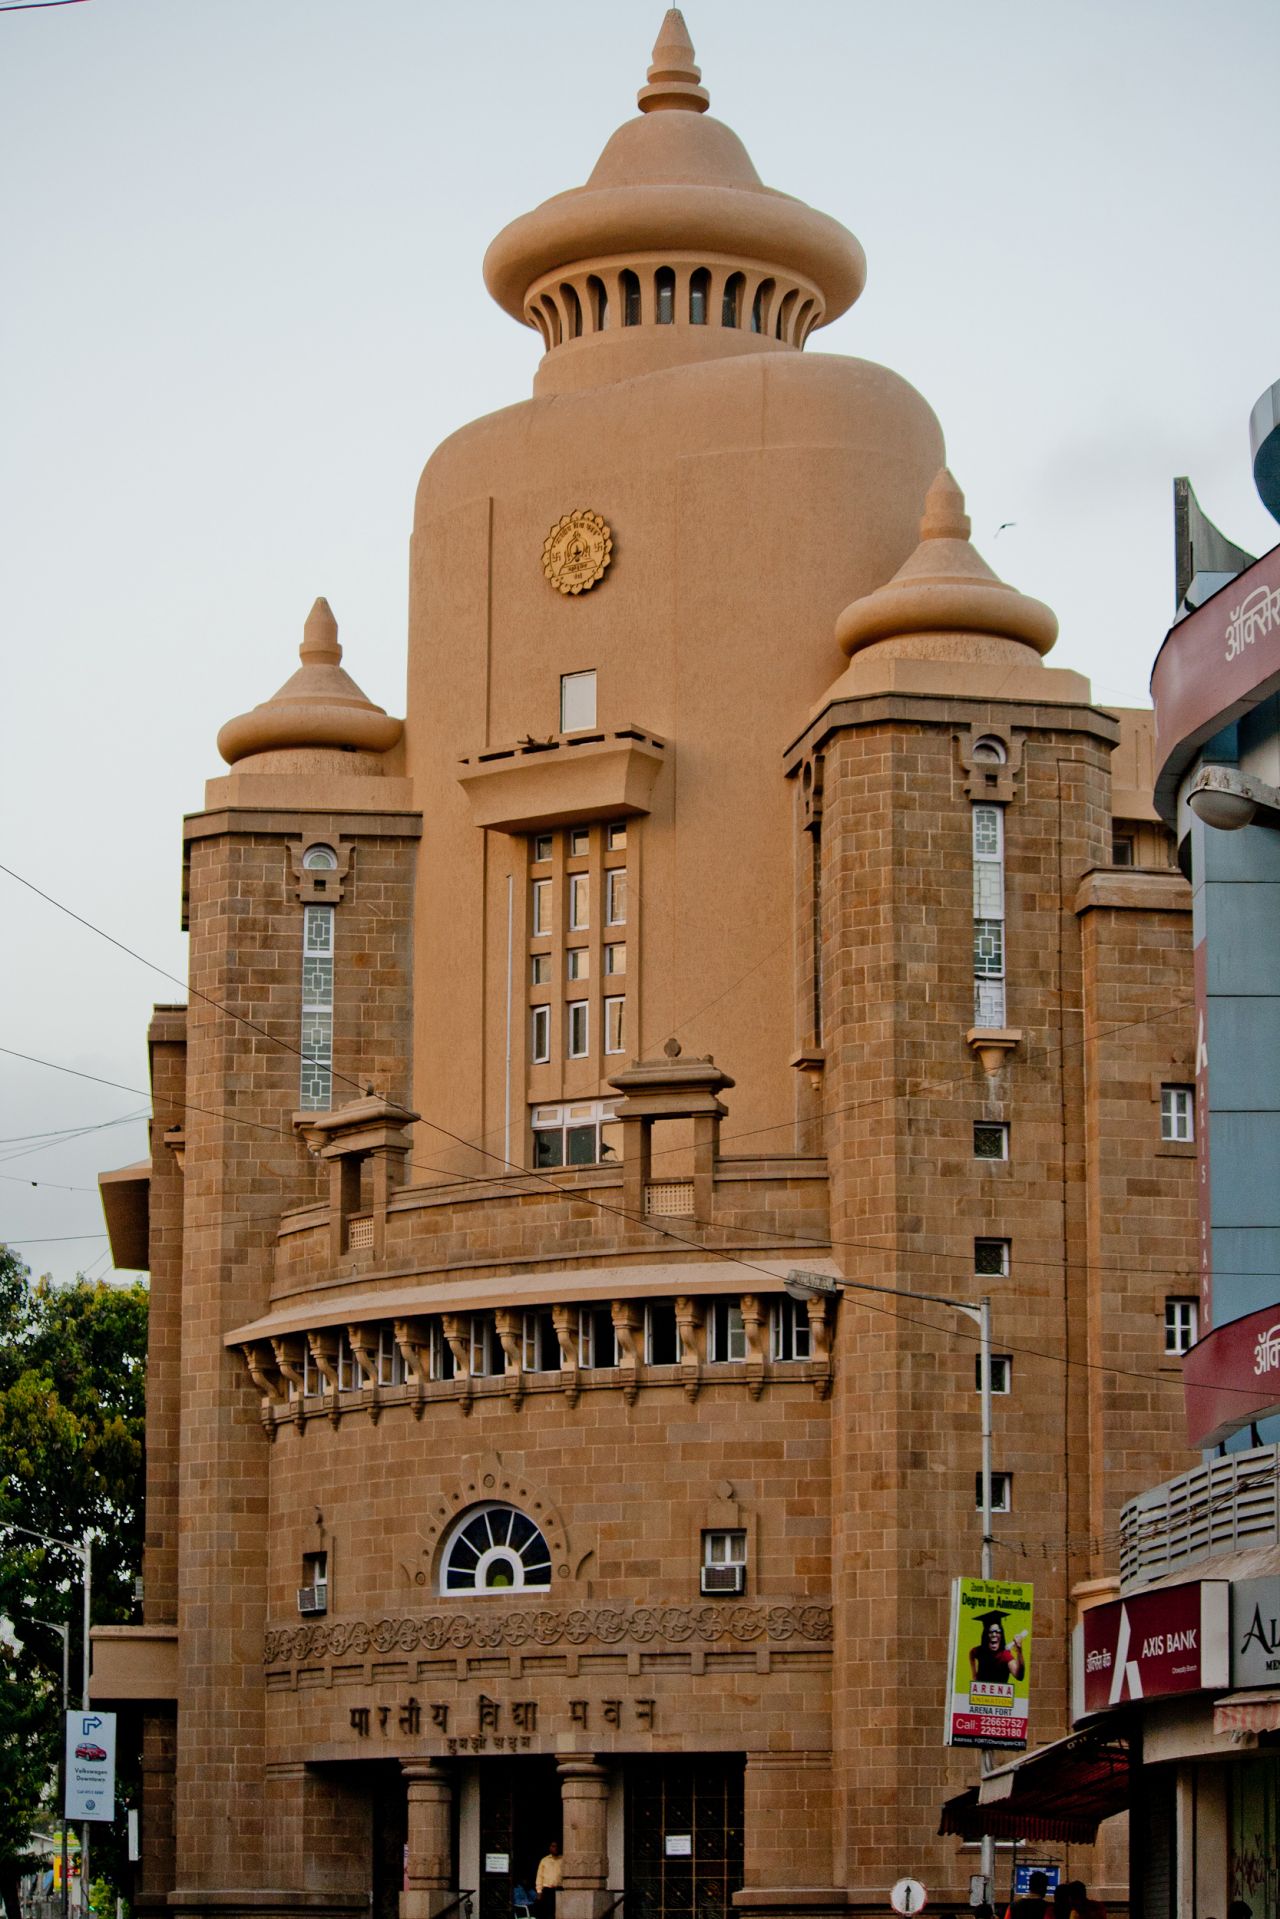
(724, 1579)
(313, 1599)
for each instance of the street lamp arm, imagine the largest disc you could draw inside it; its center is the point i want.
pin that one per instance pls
(79, 1547)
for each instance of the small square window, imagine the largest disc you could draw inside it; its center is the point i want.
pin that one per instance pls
(614, 1010)
(617, 836)
(990, 1257)
(616, 896)
(540, 971)
(577, 701)
(579, 902)
(579, 1030)
(579, 842)
(1122, 849)
(578, 962)
(724, 1548)
(540, 1035)
(541, 847)
(990, 1141)
(1177, 1112)
(541, 907)
(615, 958)
(1001, 1373)
(1181, 1325)
(1001, 1492)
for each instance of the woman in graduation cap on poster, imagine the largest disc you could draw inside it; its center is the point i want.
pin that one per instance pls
(991, 1659)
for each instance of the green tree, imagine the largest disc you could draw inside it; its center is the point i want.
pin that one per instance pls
(72, 1403)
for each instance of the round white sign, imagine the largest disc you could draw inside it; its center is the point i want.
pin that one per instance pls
(908, 1896)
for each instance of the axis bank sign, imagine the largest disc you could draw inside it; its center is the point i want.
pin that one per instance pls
(1232, 1376)
(1154, 1645)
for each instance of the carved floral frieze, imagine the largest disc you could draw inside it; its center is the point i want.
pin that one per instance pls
(540, 1626)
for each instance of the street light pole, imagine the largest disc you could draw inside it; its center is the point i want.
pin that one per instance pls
(83, 1550)
(802, 1285)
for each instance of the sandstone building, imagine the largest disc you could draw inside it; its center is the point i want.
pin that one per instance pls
(742, 891)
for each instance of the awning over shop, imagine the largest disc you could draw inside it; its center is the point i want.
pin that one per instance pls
(1247, 1712)
(1060, 1793)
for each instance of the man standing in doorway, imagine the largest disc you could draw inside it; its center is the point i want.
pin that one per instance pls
(547, 1883)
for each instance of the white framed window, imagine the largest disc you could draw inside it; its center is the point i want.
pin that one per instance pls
(579, 902)
(579, 842)
(789, 1335)
(540, 1035)
(615, 896)
(494, 1548)
(990, 1139)
(989, 1007)
(1178, 1112)
(1001, 1372)
(391, 1366)
(616, 836)
(1181, 1325)
(1001, 1492)
(540, 1351)
(487, 1357)
(440, 1357)
(313, 1380)
(541, 848)
(350, 1377)
(613, 1025)
(579, 1133)
(577, 962)
(990, 1258)
(313, 1593)
(615, 958)
(540, 970)
(577, 701)
(724, 1548)
(1122, 849)
(597, 1339)
(578, 1029)
(726, 1334)
(661, 1334)
(315, 1090)
(541, 920)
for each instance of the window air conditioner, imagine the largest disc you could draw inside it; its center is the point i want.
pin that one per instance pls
(313, 1599)
(724, 1579)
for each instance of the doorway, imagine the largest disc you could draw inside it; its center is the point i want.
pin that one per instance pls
(519, 1816)
(684, 1836)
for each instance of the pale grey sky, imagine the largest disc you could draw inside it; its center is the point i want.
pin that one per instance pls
(241, 243)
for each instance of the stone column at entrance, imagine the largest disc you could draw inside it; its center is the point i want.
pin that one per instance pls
(429, 1872)
(584, 1802)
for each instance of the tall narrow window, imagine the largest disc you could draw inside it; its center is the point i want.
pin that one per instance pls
(727, 1336)
(316, 1088)
(598, 303)
(988, 917)
(540, 1035)
(1177, 1113)
(541, 907)
(699, 294)
(574, 308)
(788, 1330)
(1181, 1325)
(664, 284)
(614, 1012)
(729, 306)
(577, 701)
(597, 1341)
(579, 902)
(629, 286)
(578, 1029)
(615, 896)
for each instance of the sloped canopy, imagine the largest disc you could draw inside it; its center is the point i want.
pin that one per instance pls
(1058, 1793)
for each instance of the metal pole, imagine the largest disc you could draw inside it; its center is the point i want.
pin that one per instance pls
(988, 1859)
(86, 1555)
(66, 1700)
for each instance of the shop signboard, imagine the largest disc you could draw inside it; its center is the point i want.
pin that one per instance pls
(1154, 1645)
(1255, 1632)
(91, 1765)
(989, 1664)
(1232, 1376)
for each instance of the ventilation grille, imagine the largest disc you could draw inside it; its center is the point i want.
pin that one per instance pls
(723, 1579)
(669, 1199)
(313, 1599)
(1219, 1508)
(360, 1232)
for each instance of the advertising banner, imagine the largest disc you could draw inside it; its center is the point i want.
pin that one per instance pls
(989, 1665)
(91, 1765)
(1255, 1632)
(1155, 1644)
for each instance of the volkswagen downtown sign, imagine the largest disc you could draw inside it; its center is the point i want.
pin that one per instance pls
(91, 1765)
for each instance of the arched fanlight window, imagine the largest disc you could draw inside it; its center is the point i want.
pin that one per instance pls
(494, 1548)
(990, 748)
(320, 859)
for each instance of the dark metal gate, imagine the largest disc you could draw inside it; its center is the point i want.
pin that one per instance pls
(684, 1836)
(519, 1815)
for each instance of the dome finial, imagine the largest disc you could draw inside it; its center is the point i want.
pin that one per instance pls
(944, 514)
(320, 636)
(674, 76)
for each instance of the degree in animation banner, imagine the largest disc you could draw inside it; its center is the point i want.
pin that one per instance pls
(989, 1684)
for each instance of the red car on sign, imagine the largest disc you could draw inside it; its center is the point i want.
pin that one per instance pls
(88, 1750)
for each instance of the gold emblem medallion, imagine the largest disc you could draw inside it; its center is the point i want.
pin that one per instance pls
(576, 552)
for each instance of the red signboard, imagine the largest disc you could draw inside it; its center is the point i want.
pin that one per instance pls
(1156, 1644)
(1232, 1377)
(1214, 665)
(1204, 1190)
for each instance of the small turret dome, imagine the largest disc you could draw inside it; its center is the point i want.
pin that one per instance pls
(321, 705)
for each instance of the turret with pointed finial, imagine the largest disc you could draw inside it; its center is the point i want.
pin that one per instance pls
(945, 603)
(674, 76)
(320, 706)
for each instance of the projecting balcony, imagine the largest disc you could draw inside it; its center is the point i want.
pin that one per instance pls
(1231, 1505)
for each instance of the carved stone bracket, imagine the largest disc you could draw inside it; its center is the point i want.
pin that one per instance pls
(689, 1325)
(565, 1321)
(628, 1325)
(753, 1324)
